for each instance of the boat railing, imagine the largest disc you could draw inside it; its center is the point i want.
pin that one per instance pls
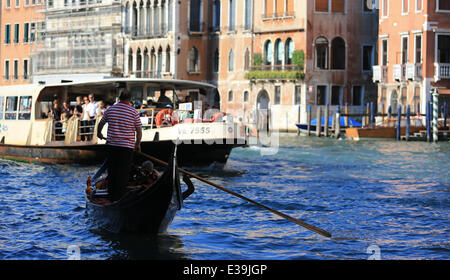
(85, 130)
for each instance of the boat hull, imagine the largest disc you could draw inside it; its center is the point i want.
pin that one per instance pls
(202, 154)
(378, 132)
(150, 211)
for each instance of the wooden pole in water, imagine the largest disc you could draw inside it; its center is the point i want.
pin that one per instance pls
(308, 120)
(372, 114)
(346, 113)
(326, 120)
(399, 119)
(389, 115)
(367, 113)
(427, 121)
(319, 121)
(298, 120)
(337, 131)
(382, 113)
(435, 116)
(408, 119)
(445, 114)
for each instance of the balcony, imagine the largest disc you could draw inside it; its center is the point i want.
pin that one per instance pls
(275, 72)
(414, 71)
(441, 71)
(379, 74)
(399, 72)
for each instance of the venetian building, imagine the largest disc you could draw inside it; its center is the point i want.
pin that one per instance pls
(18, 24)
(78, 40)
(169, 39)
(414, 47)
(295, 54)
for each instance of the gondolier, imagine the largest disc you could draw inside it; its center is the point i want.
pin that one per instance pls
(124, 136)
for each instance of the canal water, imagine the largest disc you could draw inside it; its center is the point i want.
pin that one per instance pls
(379, 199)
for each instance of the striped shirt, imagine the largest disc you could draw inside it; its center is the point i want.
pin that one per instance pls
(122, 121)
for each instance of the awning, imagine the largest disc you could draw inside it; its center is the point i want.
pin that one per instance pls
(443, 91)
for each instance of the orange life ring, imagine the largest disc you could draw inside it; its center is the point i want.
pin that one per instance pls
(165, 115)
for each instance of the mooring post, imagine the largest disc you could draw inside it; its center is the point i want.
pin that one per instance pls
(445, 114)
(382, 113)
(308, 121)
(337, 130)
(435, 116)
(389, 115)
(319, 121)
(399, 119)
(346, 115)
(367, 113)
(408, 112)
(326, 120)
(427, 121)
(372, 114)
(298, 120)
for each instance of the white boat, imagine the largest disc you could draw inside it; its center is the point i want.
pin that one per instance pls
(27, 133)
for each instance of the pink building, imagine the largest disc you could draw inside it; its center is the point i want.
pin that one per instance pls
(414, 48)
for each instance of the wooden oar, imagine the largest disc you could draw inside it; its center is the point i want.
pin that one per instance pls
(298, 222)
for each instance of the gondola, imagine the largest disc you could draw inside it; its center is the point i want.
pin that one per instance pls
(142, 209)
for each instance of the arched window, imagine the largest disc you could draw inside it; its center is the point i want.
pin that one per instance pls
(321, 52)
(338, 53)
(138, 63)
(288, 51)
(130, 60)
(141, 26)
(247, 59)
(168, 59)
(268, 53)
(126, 18)
(156, 18)
(231, 61)
(278, 52)
(146, 64)
(152, 62)
(230, 96)
(134, 20)
(246, 96)
(159, 61)
(148, 27)
(193, 60)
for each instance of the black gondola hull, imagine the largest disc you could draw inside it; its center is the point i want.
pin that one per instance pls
(151, 210)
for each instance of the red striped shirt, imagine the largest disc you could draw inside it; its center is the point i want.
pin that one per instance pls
(122, 121)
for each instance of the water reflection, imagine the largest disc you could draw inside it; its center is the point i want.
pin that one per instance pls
(144, 247)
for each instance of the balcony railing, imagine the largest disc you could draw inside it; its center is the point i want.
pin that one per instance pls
(441, 71)
(379, 73)
(414, 71)
(275, 72)
(399, 72)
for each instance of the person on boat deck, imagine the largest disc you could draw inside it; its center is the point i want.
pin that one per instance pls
(85, 120)
(124, 136)
(55, 111)
(163, 100)
(100, 109)
(66, 109)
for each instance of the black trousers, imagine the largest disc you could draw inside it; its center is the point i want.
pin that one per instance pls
(119, 160)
